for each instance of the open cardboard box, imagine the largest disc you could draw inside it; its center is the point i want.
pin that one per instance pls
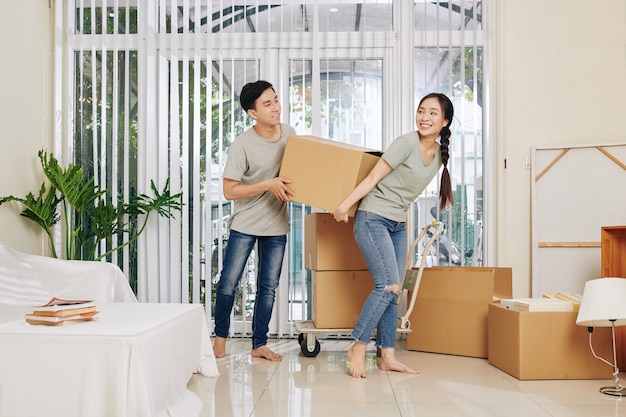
(546, 345)
(323, 172)
(451, 309)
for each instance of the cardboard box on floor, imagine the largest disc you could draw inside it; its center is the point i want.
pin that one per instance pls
(330, 246)
(338, 297)
(323, 172)
(546, 345)
(451, 308)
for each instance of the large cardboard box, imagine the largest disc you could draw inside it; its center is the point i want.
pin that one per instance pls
(338, 297)
(330, 246)
(323, 172)
(451, 309)
(546, 345)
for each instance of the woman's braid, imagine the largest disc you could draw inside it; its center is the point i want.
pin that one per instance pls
(445, 187)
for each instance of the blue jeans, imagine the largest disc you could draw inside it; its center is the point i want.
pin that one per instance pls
(270, 253)
(383, 245)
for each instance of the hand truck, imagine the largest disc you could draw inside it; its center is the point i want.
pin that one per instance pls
(307, 332)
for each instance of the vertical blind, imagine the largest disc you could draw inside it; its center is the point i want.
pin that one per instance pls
(148, 91)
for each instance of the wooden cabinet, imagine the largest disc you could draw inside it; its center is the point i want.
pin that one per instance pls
(614, 265)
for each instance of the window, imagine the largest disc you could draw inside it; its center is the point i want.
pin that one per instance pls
(155, 97)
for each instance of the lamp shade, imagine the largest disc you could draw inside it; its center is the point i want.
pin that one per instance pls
(604, 302)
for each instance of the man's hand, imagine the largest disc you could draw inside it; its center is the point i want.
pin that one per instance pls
(278, 187)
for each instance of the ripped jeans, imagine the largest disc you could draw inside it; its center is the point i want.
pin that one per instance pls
(383, 244)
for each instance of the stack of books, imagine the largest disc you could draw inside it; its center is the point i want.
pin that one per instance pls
(537, 304)
(59, 311)
(572, 297)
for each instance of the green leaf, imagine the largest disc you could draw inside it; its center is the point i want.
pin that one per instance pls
(163, 202)
(70, 182)
(41, 209)
(105, 219)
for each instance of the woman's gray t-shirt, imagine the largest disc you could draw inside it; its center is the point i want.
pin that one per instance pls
(252, 159)
(410, 175)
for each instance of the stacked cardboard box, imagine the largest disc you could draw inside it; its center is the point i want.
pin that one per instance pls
(341, 280)
(323, 172)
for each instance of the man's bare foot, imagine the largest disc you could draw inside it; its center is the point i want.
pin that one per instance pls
(219, 347)
(266, 353)
(388, 362)
(356, 355)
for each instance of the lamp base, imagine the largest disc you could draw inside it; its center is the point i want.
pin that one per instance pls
(613, 391)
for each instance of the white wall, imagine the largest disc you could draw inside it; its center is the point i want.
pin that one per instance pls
(559, 79)
(24, 113)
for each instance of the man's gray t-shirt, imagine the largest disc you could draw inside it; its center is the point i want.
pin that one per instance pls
(252, 159)
(410, 175)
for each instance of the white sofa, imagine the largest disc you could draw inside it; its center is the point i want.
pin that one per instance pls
(27, 280)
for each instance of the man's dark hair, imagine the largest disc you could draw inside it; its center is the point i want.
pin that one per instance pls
(251, 91)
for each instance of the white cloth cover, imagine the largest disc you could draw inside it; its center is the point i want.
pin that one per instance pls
(29, 280)
(135, 360)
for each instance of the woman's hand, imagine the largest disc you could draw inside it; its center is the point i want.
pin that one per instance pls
(340, 215)
(381, 169)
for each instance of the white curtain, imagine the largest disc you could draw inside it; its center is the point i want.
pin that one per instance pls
(148, 91)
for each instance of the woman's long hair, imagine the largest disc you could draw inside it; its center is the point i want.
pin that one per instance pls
(445, 187)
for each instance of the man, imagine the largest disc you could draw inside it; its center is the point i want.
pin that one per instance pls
(259, 217)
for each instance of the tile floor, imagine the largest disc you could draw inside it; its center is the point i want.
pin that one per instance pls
(447, 386)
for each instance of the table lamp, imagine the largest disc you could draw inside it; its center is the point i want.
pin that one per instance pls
(604, 305)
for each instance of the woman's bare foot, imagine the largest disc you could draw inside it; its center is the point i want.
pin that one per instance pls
(356, 355)
(388, 362)
(219, 347)
(266, 353)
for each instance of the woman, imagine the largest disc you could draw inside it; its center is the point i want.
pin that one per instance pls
(397, 179)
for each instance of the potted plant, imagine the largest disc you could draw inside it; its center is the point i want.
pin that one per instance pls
(87, 217)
